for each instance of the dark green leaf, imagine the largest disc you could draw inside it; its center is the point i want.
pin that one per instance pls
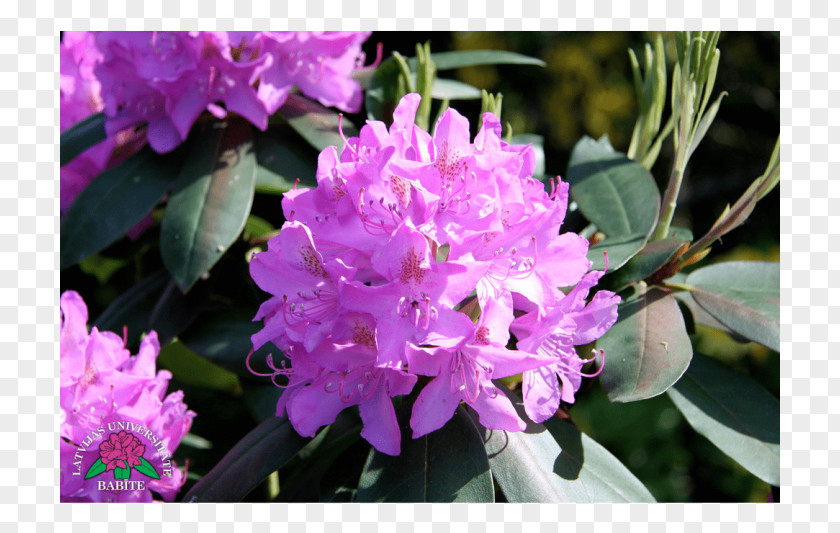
(555, 463)
(172, 312)
(133, 307)
(191, 369)
(619, 250)
(262, 451)
(643, 264)
(147, 469)
(315, 123)
(225, 339)
(447, 465)
(734, 412)
(211, 200)
(647, 350)
(615, 193)
(113, 203)
(81, 136)
(743, 295)
(95, 469)
(261, 399)
(281, 160)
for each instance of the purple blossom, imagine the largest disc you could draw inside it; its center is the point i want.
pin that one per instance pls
(101, 382)
(166, 80)
(430, 245)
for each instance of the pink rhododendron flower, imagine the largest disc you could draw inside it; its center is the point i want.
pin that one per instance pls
(412, 257)
(102, 384)
(80, 97)
(167, 79)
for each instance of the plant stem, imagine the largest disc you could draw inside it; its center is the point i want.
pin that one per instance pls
(669, 204)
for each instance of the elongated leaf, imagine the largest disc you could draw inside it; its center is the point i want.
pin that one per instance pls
(554, 462)
(743, 295)
(96, 468)
(186, 366)
(133, 307)
(454, 90)
(81, 136)
(646, 262)
(211, 200)
(469, 58)
(315, 123)
(448, 465)
(262, 451)
(147, 469)
(225, 339)
(734, 412)
(647, 350)
(615, 193)
(113, 203)
(281, 160)
(381, 96)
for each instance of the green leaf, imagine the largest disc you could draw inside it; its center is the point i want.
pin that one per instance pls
(734, 412)
(615, 193)
(382, 94)
(281, 160)
(211, 200)
(256, 227)
(81, 136)
(191, 369)
(101, 267)
(122, 473)
(647, 350)
(261, 452)
(315, 123)
(743, 295)
(147, 469)
(224, 338)
(447, 465)
(470, 58)
(646, 262)
(619, 250)
(96, 468)
(554, 462)
(113, 203)
(454, 90)
(133, 307)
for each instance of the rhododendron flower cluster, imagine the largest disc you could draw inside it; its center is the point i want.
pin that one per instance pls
(80, 97)
(167, 79)
(418, 255)
(101, 382)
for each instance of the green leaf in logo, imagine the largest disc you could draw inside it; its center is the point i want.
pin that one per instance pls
(95, 469)
(147, 469)
(122, 473)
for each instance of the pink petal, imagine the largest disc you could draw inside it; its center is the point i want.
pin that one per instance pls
(433, 407)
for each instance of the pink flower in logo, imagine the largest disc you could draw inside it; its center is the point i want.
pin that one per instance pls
(121, 450)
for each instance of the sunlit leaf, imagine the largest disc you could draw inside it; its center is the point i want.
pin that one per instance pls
(315, 123)
(619, 250)
(447, 465)
(251, 460)
(210, 202)
(647, 350)
(113, 203)
(615, 193)
(554, 462)
(81, 136)
(646, 262)
(743, 295)
(191, 369)
(734, 412)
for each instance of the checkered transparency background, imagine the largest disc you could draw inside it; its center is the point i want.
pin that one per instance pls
(29, 276)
